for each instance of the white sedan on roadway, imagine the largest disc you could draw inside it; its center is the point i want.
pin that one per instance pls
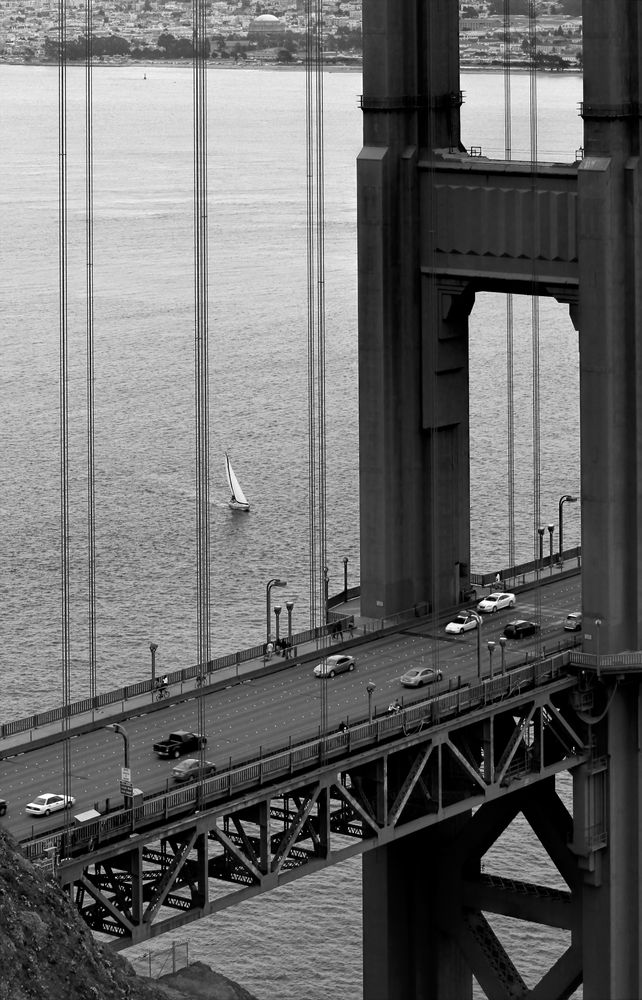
(462, 623)
(497, 601)
(49, 802)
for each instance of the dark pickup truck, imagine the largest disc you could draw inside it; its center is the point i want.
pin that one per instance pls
(179, 743)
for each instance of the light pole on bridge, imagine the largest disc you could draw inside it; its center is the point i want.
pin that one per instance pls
(274, 582)
(551, 529)
(370, 687)
(567, 498)
(152, 648)
(477, 617)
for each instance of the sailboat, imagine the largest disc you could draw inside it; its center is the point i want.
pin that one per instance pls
(238, 500)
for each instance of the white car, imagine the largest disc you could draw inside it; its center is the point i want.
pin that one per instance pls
(418, 676)
(497, 601)
(462, 623)
(49, 802)
(337, 664)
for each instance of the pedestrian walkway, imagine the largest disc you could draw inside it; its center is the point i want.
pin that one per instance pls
(136, 699)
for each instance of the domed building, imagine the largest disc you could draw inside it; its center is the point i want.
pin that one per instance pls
(266, 24)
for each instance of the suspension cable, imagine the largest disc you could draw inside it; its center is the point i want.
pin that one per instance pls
(316, 309)
(315, 192)
(535, 339)
(201, 363)
(510, 338)
(89, 241)
(63, 241)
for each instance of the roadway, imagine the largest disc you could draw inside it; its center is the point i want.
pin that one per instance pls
(261, 714)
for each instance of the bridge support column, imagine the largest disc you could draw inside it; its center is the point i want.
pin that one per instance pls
(413, 331)
(611, 853)
(406, 955)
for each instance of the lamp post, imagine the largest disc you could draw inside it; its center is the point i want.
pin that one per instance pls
(567, 498)
(370, 687)
(479, 662)
(502, 644)
(275, 582)
(126, 773)
(491, 650)
(345, 579)
(152, 648)
(551, 529)
(277, 615)
(326, 585)
(289, 605)
(540, 532)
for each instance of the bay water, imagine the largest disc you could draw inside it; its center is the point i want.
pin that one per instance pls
(301, 942)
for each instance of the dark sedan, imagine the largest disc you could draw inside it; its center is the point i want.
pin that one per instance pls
(520, 629)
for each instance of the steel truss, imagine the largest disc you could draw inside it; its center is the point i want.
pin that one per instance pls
(156, 880)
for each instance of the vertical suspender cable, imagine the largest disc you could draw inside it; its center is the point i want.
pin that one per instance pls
(510, 386)
(532, 32)
(89, 238)
(63, 381)
(201, 362)
(315, 191)
(316, 309)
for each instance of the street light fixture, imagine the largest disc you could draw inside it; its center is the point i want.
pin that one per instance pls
(345, 579)
(491, 650)
(289, 606)
(275, 582)
(370, 687)
(153, 647)
(502, 644)
(277, 615)
(479, 625)
(551, 529)
(126, 774)
(567, 498)
(540, 532)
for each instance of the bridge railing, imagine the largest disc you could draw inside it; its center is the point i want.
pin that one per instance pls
(339, 623)
(295, 758)
(517, 575)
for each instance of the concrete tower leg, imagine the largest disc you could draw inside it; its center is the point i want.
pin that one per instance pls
(406, 956)
(413, 346)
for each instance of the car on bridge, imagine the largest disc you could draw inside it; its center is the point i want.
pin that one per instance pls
(462, 623)
(418, 676)
(191, 769)
(495, 602)
(339, 663)
(49, 802)
(179, 743)
(520, 629)
(573, 622)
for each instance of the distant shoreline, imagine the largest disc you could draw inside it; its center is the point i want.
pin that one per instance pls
(244, 64)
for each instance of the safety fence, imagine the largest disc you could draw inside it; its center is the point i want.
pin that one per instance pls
(161, 961)
(339, 624)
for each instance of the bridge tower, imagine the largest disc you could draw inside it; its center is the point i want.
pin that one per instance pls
(435, 226)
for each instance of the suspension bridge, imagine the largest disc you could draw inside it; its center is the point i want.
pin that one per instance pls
(423, 796)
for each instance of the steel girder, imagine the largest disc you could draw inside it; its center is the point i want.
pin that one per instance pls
(157, 880)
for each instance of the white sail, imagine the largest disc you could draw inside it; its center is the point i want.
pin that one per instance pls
(238, 500)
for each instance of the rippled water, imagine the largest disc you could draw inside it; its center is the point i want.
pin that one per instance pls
(301, 942)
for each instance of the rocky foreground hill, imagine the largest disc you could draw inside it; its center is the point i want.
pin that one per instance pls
(48, 953)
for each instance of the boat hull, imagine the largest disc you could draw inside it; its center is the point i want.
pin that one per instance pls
(242, 508)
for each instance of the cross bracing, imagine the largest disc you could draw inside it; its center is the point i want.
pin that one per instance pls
(186, 854)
